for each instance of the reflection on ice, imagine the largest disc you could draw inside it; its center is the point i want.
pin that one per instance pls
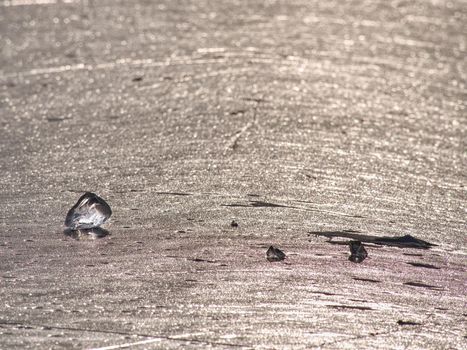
(87, 233)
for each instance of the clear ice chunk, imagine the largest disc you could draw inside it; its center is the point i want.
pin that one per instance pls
(89, 212)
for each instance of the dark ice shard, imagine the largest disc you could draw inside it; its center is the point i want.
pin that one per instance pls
(89, 212)
(357, 252)
(275, 254)
(406, 241)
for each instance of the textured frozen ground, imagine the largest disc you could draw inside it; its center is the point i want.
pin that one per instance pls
(288, 117)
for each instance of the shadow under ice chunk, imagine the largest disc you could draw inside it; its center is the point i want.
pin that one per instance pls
(275, 254)
(358, 252)
(90, 211)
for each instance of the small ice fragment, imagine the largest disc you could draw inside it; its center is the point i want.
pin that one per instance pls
(357, 252)
(89, 212)
(275, 254)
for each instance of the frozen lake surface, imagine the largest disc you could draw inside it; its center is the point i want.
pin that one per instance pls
(308, 123)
